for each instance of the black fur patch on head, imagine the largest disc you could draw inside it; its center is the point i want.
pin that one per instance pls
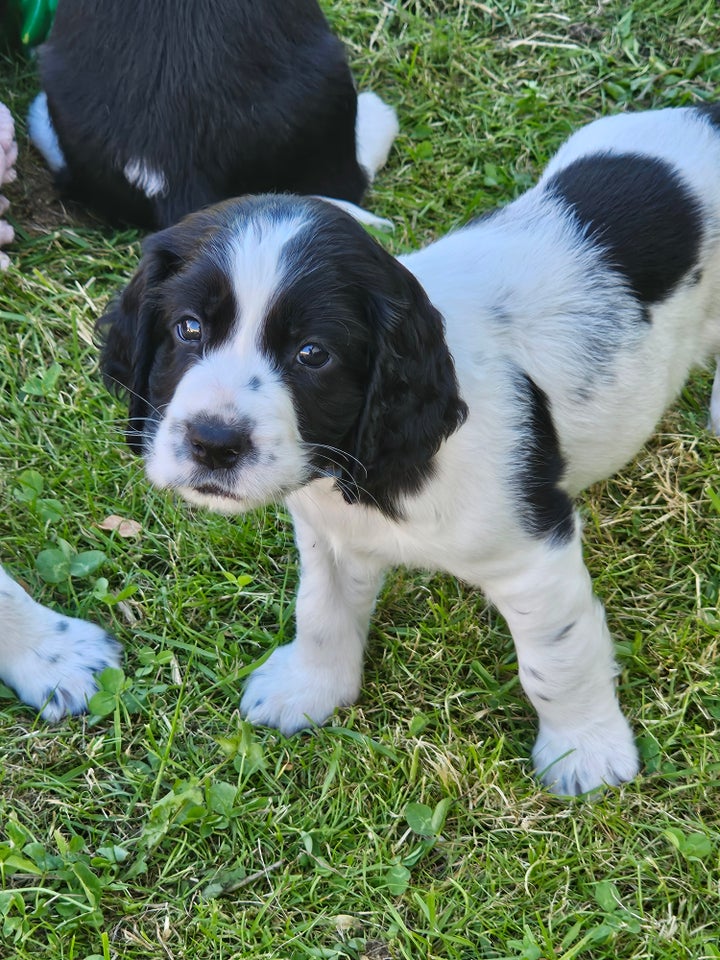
(317, 305)
(175, 279)
(379, 409)
(200, 289)
(640, 213)
(546, 509)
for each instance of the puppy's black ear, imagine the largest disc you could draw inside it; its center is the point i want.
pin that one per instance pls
(130, 331)
(127, 334)
(413, 401)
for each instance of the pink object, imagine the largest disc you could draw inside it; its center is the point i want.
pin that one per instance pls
(8, 156)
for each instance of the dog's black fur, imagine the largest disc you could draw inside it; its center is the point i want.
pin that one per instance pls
(220, 97)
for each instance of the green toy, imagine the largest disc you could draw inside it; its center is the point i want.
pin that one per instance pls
(33, 18)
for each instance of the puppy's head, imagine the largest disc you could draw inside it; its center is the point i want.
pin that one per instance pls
(269, 341)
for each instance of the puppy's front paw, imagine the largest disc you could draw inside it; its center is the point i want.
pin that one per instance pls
(288, 693)
(54, 667)
(574, 761)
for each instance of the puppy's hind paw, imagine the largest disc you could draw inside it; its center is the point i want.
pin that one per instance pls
(574, 762)
(290, 695)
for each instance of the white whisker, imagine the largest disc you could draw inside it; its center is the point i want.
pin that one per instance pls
(134, 393)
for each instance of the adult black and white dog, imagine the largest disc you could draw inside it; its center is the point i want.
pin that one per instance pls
(155, 110)
(439, 410)
(49, 659)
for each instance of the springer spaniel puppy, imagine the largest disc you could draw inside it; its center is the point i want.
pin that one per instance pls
(157, 109)
(440, 410)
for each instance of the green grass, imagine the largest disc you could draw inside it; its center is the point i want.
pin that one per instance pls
(162, 826)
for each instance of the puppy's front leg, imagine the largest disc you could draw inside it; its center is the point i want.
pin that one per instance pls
(567, 669)
(302, 683)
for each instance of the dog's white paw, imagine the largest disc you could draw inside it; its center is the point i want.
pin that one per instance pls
(289, 694)
(575, 761)
(53, 665)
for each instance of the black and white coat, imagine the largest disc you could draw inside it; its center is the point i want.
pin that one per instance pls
(154, 110)
(440, 410)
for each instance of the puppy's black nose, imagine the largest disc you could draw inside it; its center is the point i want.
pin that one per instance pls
(218, 445)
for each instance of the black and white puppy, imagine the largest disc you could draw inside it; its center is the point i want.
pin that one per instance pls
(50, 660)
(155, 110)
(440, 410)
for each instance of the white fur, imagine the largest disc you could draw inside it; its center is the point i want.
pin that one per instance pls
(139, 174)
(42, 133)
(532, 259)
(360, 214)
(50, 660)
(216, 388)
(376, 126)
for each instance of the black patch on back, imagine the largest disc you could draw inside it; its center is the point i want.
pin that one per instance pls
(546, 509)
(641, 213)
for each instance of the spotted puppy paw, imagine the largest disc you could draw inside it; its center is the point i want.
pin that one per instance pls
(576, 761)
(50, 660)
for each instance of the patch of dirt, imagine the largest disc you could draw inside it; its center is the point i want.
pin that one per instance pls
(35, 205)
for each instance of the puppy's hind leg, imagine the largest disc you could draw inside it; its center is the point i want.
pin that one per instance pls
(376, 126)
(567, 669)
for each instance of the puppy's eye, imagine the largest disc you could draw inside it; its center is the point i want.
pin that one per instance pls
(189, 329)
(311, 355)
